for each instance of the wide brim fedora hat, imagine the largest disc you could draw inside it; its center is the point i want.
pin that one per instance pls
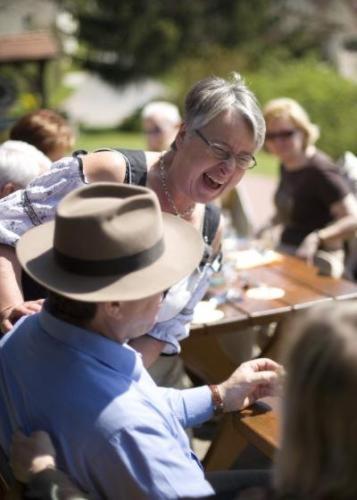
(110, 242)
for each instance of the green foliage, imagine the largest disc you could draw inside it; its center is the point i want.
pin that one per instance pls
(132, 123)
(56, 91)
(330, 100)
(27, 97)
(217, 61)
(126, 40)
(91, 140)
(25, 81)
(267, 164)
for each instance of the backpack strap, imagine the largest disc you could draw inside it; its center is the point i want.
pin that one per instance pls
(211, 221)
(136, 168)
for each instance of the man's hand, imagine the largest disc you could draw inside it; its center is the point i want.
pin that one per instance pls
(29, 455)
(253, 380)
(11, 314)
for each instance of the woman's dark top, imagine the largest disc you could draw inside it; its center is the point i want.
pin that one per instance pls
(304, 197)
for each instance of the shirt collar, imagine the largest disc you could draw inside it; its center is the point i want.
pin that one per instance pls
(120, 357)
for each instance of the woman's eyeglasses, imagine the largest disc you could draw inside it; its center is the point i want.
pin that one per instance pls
(282, 134)
(242, 161)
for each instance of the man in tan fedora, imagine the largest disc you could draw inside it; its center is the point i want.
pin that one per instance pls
(106, 260)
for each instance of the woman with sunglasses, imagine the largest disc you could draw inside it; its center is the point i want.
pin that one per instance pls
(314, 205)
(222, 129)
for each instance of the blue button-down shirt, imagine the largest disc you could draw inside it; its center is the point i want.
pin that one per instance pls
(117, 434)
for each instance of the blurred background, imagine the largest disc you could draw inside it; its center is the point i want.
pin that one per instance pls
(98, 62)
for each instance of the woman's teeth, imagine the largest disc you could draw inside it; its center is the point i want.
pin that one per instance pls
(211, 182)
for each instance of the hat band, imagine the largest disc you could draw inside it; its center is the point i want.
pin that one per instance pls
(107, 267)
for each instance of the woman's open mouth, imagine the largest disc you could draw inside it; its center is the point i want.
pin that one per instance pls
(212, 183)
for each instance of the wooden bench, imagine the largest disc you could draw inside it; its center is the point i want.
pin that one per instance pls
(257, 425)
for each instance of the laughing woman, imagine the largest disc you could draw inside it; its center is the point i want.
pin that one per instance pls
(222, 129)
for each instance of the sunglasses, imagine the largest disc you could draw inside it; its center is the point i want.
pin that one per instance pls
(282, 134)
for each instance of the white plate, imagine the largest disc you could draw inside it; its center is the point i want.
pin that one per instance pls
(205, 312)
(247, 259)
(265, 293)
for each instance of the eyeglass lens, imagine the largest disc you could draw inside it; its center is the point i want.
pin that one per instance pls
(244, 161)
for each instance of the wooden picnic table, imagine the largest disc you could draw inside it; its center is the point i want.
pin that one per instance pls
(303, 288)
(258, 425)
(203, 355)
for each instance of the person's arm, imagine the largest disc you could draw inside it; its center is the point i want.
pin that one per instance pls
(33, 461)
(104, 166)
(10, 277)
(42, 195)
(12, 305)
(252, 380)
(149, 347)
(345, 225)
(129, 466)
(331, 236)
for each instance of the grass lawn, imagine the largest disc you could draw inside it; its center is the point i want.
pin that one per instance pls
(266, 165)
(109, 139)
(92, 140)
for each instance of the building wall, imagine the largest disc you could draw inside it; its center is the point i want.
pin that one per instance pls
(18, 16)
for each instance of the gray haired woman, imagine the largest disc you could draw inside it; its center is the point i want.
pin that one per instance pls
(222, 129)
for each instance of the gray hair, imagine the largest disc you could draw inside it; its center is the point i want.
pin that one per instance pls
(20, 163)
(211, 96)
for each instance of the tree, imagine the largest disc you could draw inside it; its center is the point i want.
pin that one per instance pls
(330, 100)
(122, 40)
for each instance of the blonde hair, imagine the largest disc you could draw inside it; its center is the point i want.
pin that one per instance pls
(318, 457)
(289, 108)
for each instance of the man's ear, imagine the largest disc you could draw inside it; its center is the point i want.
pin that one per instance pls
(113, 309)
(7, 189)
